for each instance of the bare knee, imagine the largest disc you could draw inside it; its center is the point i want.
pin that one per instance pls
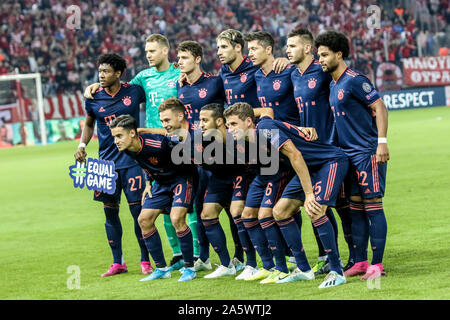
(322, 213)
(285, 208)
(249, 213)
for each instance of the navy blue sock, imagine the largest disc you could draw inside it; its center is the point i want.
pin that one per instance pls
(247, 244)
(113, 229)
(346, 220)
(202, 238)
(326, 233)
(276, 243)
(360, 230)
(238, 250)
(332, 219)
(291, 232)
(187, 249)
(153, 242)
(319, 243)
(216, 237)
(298, 218)
(135, 209)
(259, 241)
(329, 213)
(377, 230)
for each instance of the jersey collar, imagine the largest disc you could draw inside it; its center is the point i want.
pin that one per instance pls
(113, 95)
(340, 75)
(198, 79)
(302, 73)
(245, 57)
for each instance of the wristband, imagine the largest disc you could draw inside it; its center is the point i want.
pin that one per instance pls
(82, 145)
(382, 140)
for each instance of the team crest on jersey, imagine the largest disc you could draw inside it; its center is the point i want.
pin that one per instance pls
(126, 100)
(243, 77)
(171, 84)
(312, 83)
(341, 94)
(276, 85)
(154, 161)
(202, 93)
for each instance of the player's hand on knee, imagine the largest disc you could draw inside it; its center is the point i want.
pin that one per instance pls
(280, 64)
(312, 207)
(382, 153)
(90, 90)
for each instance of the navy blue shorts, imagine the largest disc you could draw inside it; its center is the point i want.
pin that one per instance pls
(131, 181)
(214, 189)
(326, 180)
(366, 177)
(264, 191)
(178, 192)
(241, 184)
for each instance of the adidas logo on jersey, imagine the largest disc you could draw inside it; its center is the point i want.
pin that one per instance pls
(101, 109)
(239, 194)
(268, 201)
(178, 200)
(367, 191)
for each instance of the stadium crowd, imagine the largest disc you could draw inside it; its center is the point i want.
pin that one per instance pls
(35, 36)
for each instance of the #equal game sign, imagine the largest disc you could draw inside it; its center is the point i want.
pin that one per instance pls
(95, 174)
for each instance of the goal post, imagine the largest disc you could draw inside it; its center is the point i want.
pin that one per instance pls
(39, 98)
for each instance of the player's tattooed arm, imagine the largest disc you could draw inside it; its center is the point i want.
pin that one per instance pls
(312, 207)
(381, 115)
(86, 136)
(263, 112)
(280, 64)
(90, 90)
(152, 130)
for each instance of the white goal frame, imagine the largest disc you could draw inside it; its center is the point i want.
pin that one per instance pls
(40, 99)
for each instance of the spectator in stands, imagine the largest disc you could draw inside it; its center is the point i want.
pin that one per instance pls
(30, 29)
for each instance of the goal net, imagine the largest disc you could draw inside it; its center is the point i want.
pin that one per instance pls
(22, 119)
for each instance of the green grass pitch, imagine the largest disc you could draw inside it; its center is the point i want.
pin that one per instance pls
(47, 226)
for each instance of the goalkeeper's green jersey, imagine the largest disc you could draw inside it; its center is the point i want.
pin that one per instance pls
(158, 86)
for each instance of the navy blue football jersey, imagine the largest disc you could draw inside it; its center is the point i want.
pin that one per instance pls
(106, 107)
(312, 92)
(275, 90)
(155, 157)
(206, 89)
(239, 84)
(350, 99)
(313, 152)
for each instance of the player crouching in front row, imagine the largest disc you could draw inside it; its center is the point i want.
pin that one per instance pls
(172, 191)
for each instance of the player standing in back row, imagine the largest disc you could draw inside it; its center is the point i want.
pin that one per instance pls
(312, 93)
(110, 101)
(361, 123)
(159, 83)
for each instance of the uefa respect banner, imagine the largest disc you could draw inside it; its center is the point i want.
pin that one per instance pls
(94, 174)
(427, 71)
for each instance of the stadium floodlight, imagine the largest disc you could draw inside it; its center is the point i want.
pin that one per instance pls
(38, 95)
